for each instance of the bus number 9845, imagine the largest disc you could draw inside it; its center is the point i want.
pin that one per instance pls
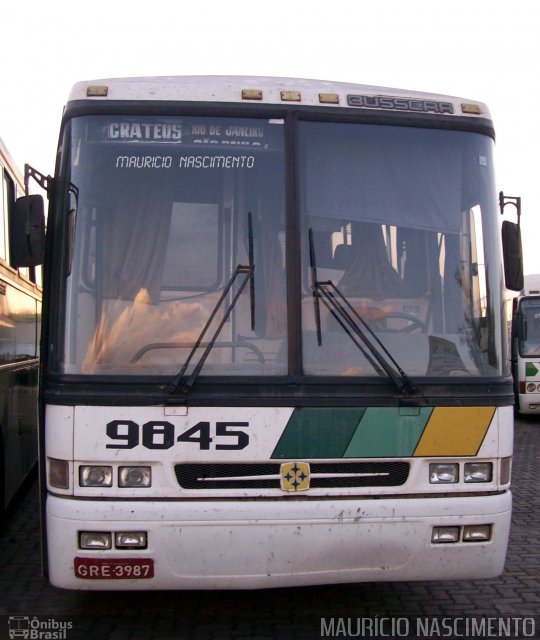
(127, 434)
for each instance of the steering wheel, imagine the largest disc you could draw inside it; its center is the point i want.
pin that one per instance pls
(414, 323)
(186, 345)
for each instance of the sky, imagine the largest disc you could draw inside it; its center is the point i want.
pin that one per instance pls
(476, 49)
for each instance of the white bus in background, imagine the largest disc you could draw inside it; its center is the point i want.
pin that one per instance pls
(274, 350)
(525, 346)
(20, 313)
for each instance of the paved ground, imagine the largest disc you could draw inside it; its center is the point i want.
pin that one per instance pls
(284, 613)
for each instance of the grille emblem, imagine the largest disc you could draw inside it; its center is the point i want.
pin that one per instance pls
(294, 476)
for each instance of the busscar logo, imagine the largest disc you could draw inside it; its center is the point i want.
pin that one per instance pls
(400, 104)
(39, 629)
(295, 476)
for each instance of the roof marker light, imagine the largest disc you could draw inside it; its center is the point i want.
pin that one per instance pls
(252, 94)
(97, 91)
(473, 109)
(329, 98)
(291, 96)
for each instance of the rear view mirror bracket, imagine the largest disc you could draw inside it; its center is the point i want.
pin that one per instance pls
(511, 242)
(45, 182)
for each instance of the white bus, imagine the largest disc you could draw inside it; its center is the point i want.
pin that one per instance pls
(525, 346)
(273, 344)
(20, 319)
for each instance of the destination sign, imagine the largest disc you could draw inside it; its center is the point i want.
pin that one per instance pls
(153, 132)
(188, 131)
(399, 104)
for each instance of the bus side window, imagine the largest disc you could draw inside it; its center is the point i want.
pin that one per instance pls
(3, 214)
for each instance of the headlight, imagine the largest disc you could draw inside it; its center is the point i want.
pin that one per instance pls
(531, 388)
(477, 533)
(443, 473)
(95, 540)
(95, 476)
(131, 540)
(445, 535)
(134, 477)
(478, 472)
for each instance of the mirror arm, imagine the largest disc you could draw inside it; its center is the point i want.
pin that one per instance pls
(45, 182)
(515, 200)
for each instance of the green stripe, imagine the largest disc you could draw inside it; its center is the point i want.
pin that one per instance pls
(388, 432)
(318, 433)
(530, 369)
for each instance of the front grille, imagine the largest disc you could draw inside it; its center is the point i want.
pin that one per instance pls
(265, 475)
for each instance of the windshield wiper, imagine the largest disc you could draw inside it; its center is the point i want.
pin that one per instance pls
(360, 333)
(247, 271)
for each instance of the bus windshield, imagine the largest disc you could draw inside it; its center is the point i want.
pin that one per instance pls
(162, 221)
(529, 343)
(402, 225)
(161, 211)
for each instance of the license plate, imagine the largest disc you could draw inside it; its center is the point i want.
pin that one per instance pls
(114, 568)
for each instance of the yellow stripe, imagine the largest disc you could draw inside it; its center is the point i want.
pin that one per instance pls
(455, 431)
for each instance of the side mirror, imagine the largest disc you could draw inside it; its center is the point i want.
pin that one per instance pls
(522, 328)
(512, 255)
(27, 237)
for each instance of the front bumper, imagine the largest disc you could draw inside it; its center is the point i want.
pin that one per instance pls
(249, 544)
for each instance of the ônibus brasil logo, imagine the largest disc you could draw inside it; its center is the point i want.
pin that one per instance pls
(29, 628)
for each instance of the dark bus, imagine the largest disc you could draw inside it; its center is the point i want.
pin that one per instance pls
(20, 324)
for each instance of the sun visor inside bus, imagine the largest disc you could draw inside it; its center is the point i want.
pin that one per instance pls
(414, 178)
